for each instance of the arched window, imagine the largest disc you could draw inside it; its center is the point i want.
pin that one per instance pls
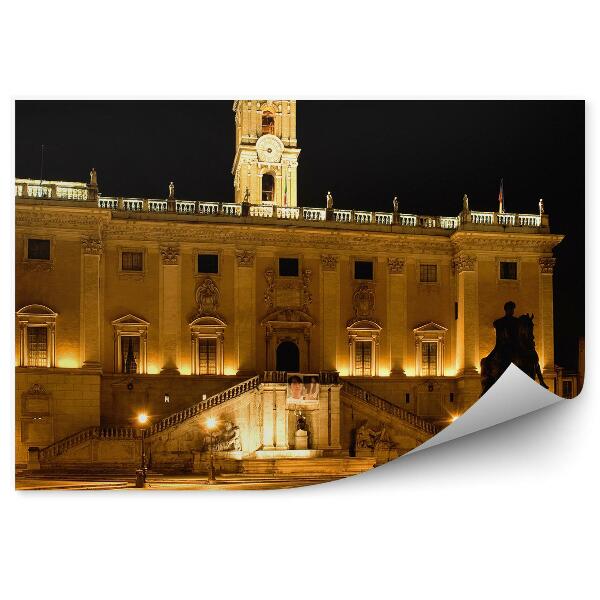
(37, 335)
(268, 123)
(268, 188)
(287, 357)
(363, 343)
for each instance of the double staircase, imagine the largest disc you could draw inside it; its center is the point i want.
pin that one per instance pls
(102, 447)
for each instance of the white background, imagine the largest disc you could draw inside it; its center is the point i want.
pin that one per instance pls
(511, 512)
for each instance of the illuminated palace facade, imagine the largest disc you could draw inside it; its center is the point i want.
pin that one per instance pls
(124, 303)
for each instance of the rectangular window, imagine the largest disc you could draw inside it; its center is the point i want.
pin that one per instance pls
(428, 274)
(508, 270)
(38, 249)
(288, 267)
(208, 263)
(130, 354)
(207, 356)
(37, 346)
(363, 269)
(429, 358)
(132, 261)
(362, 358)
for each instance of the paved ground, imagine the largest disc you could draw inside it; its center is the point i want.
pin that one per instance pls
(65, 481)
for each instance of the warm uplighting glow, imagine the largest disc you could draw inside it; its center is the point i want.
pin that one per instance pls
(152, 369)
(211, 423)
(453, 418)
(229, 371)
(142, 418)
(185, 370)
(384, 372)
(67, 362)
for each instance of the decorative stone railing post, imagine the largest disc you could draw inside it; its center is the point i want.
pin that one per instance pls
(169, 285)
(90, 307)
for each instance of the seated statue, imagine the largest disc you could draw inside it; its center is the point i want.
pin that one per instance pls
(365, 437)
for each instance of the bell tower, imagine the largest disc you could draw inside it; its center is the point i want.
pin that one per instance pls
(266, 153)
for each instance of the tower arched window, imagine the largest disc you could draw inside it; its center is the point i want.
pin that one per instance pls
(268, 188)
(268, 123)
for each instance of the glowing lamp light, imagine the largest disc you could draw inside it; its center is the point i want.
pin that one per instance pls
(453, 418)
(211, 423)
(142, 418)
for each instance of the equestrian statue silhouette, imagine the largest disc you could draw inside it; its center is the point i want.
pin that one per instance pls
(515, 344)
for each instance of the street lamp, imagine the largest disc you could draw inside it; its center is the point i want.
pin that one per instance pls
(140, 479)
(211, 423)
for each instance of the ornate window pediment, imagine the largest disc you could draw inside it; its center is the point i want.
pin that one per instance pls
(36, 310)
(430, 340)
(37, 336)
(130, 320)
(430, 327)
(130, 344)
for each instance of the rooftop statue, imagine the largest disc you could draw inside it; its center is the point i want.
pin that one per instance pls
(514, 344)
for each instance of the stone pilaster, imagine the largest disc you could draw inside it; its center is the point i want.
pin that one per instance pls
(245, 311)
(327, 419)
(467, 338)
(170, 310)
(280, 418)
(269, 404)
(330, 311)
(397, 314)
(544, 323)
(90, 302)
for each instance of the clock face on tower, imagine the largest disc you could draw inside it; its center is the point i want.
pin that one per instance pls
(269, 148)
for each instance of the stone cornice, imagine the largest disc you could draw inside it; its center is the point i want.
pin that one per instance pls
(60, 217)
(499, 242)
(322, 237)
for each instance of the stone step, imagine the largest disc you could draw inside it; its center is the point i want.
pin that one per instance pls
(303, 467)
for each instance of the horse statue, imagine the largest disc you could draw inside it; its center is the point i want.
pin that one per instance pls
(515, 343)
(526, 357)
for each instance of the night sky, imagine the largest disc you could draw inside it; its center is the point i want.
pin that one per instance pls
(366, 152)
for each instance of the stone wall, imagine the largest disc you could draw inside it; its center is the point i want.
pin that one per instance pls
(52, 404)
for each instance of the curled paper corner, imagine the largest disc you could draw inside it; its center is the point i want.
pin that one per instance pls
(513, 395)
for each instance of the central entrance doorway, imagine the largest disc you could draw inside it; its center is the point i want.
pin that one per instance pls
(287, 357)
